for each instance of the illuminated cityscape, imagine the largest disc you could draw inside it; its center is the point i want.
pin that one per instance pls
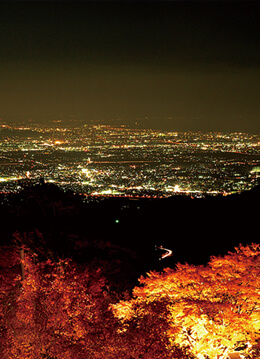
(129, 179)
(103, 160)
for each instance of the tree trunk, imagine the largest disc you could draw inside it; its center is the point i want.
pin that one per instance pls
(22, 262)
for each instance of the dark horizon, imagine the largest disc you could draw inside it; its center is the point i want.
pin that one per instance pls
(179, 65)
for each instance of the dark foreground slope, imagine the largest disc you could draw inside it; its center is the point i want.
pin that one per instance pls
(121, 233)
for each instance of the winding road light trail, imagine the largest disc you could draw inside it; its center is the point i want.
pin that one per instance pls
(167, 254)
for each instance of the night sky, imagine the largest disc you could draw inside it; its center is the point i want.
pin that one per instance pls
(175, 65)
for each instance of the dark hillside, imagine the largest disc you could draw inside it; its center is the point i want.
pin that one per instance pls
(121, 233)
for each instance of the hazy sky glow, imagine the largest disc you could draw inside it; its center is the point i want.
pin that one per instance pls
(181, 65)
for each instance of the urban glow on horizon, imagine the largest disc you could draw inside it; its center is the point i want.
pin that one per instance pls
(104, 160)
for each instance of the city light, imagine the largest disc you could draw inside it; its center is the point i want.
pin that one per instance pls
(120, 161)
(177, 188)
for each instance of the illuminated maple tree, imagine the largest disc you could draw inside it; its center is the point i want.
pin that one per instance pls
(207, 310)
(62, 310)
(9, 268)
(58, 310)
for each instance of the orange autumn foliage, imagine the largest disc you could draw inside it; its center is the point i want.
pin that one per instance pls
(208, 310)
(58, 311)
(62, 310)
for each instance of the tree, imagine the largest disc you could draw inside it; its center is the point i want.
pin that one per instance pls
(58, 309)
(208, 311)
(9, 270)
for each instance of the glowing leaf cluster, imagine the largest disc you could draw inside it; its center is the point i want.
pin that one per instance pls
(210, 310)
(58, 308)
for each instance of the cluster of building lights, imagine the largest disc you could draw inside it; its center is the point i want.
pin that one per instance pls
(105, 160)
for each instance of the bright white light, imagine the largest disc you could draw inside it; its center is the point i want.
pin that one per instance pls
(86, 171)
(7, 179)
(177, 188)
